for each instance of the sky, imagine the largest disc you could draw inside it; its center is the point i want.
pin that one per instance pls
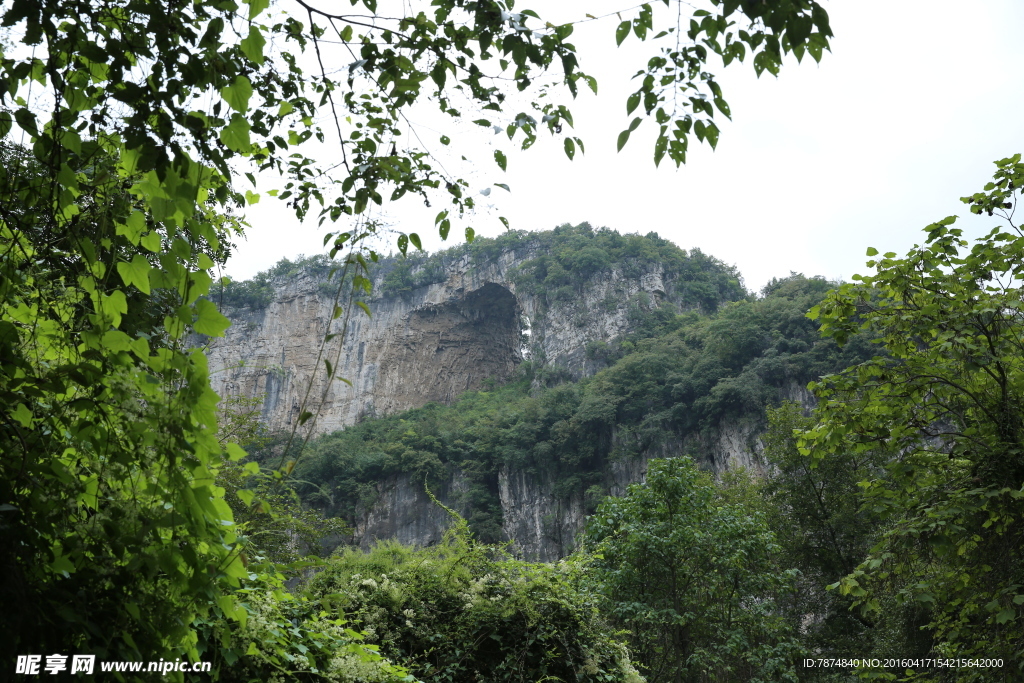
(905, 115)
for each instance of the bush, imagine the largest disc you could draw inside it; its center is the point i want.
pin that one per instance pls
(461, 611)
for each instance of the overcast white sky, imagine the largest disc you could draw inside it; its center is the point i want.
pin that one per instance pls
(903, 117)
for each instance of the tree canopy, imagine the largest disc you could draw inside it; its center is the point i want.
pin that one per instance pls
(944, 403)
(693, 579)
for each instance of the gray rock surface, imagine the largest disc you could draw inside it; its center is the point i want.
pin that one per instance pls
(432, 344)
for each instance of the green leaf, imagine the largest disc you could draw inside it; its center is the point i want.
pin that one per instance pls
(209, 320)
(570, 149)
(116, 340)
(136, 272)
(238, 93)
(23, 415)
(133, 227)
(256, 6)
(723, 107)
(236, 134)
(236, 452)
(62, 565)
(27, 121)
(252, 46)
(503, 186)
(366, 309)
(151, 241)
(872, 251)
(245, 495)
(712, 135)
(1008, 614)
(499, 158)
(633, 102)
(621, 32)
(90, 491)
(660, 147)
(623, 139)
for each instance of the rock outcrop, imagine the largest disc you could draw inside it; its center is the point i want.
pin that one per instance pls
(429, 344)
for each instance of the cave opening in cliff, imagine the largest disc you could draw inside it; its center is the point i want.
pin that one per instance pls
(455, 346)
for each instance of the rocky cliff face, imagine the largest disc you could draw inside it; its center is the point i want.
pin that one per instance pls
(430, 344)
(541, 525)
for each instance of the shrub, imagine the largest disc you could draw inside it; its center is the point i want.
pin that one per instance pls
(462, 611)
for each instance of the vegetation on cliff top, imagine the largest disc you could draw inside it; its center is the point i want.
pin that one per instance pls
(554, 265)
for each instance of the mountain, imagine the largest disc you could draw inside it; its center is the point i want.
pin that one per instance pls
(584, 353)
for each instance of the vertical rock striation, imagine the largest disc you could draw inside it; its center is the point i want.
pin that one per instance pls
(429, 344)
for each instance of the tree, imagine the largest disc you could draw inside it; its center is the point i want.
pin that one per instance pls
(947, 405)
(109, 510)
(112, 225)
(693, 578)
(267, 513)
(815, 509)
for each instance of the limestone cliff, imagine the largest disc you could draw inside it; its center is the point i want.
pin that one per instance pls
(432, 343)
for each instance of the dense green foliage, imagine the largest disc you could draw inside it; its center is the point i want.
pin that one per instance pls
(460, 611)
(268, 515)
(114, 537)
(130, 528)
(568, 257)
(280, 637)
(676, 385)
(694, 579)
(112, 534)
(945, 404)
(824, 531)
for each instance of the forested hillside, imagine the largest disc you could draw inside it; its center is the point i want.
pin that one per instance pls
(677, 378)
